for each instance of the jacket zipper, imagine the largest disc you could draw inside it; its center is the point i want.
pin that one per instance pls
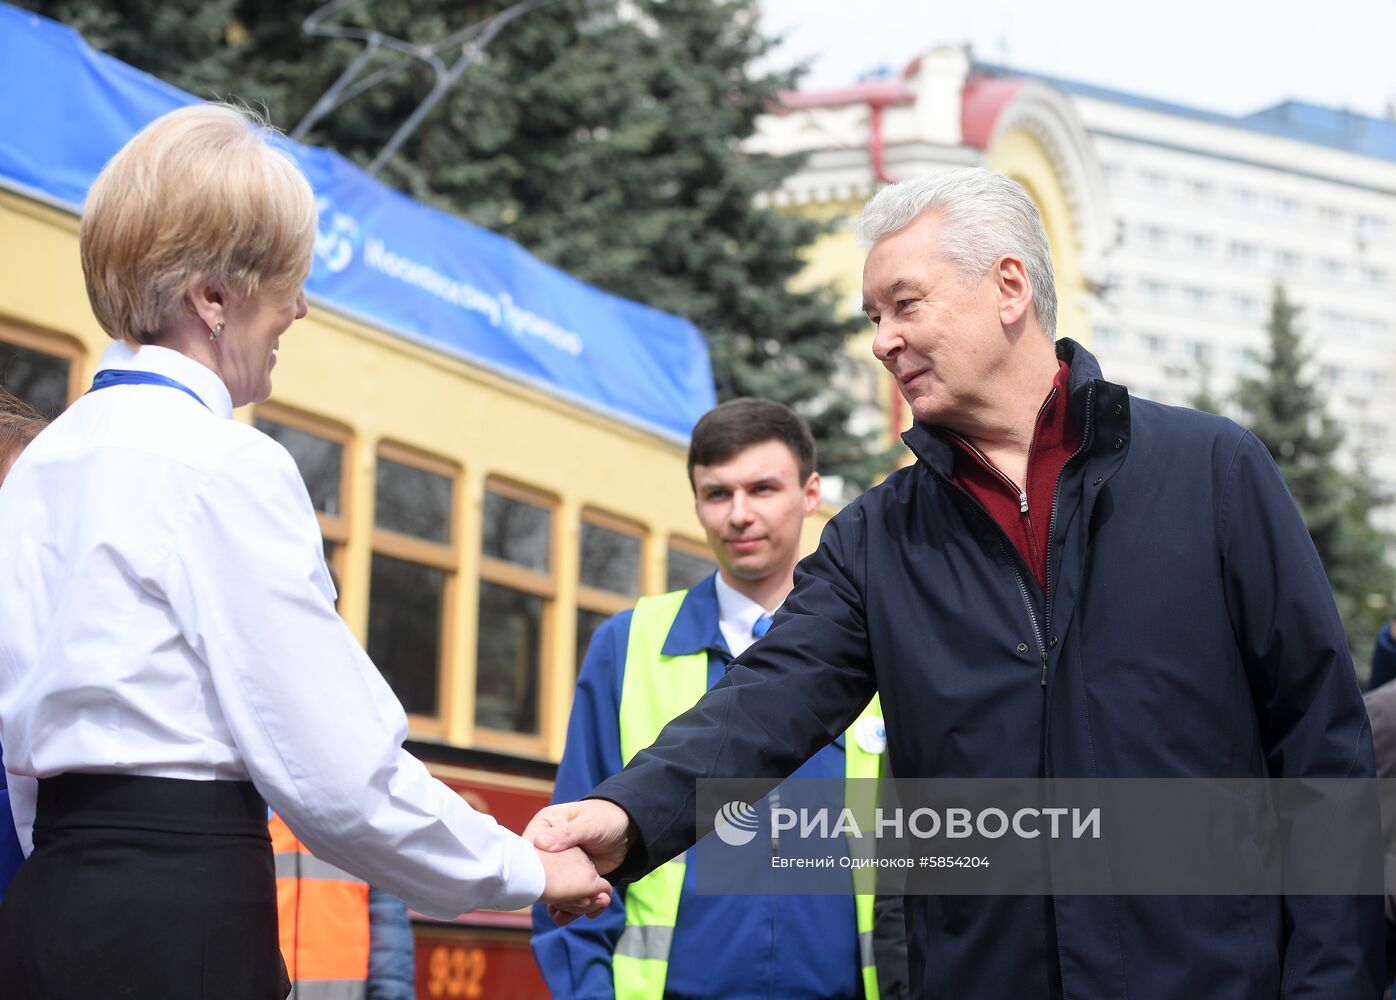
(983, 458)
(1012, 563)
(1017, 575)
(994, 469)
(1023, 509)
(1052, 517)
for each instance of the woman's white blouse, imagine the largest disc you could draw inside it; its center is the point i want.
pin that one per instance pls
(165, 610)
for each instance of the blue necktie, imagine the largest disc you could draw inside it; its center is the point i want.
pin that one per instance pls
(762, 625)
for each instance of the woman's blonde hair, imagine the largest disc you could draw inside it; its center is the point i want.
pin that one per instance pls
(199, 195)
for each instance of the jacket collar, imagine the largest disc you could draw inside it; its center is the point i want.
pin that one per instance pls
(696, 629)
(931, 446)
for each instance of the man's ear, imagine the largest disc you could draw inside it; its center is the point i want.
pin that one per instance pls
(1015, 289)
(814, 492)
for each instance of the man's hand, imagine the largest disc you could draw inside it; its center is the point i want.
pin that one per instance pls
(571, 885)
(600, 828)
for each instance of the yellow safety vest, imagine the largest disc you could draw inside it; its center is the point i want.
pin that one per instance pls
(657, 689)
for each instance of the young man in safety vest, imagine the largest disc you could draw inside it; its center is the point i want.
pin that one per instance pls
(751, 464)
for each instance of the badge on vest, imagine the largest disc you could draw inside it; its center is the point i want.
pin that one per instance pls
(871, 734)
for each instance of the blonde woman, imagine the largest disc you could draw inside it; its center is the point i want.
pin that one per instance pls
(171, 662)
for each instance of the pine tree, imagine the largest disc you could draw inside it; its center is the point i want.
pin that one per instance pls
(1204, 398)
(604, 136)
(1285, 411)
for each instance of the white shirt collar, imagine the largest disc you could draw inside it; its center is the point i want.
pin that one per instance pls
(183, 369)
(736, 614)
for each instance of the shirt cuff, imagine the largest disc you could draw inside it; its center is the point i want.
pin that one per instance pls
(524, 879)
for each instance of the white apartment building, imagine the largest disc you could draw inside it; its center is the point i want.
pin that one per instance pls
(1170, 225)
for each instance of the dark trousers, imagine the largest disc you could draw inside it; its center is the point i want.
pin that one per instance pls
(147, 888)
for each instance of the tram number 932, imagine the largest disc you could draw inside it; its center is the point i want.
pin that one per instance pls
(456, 973)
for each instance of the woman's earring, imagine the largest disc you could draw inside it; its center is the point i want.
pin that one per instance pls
(217, 330)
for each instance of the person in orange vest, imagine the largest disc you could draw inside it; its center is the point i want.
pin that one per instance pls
(340, 939)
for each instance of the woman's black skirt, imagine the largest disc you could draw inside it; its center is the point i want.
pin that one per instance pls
(143, 888)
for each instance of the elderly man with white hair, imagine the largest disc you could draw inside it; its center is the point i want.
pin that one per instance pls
(1070, 582)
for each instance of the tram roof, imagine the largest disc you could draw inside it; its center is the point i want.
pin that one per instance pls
(380, 256)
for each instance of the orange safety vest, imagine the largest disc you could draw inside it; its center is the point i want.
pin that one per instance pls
(323, 913)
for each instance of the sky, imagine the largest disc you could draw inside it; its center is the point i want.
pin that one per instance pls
(1232, 56)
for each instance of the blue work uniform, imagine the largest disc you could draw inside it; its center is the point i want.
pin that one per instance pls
(734, 947)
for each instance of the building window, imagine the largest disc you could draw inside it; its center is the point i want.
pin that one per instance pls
(1154, 180)
(1153, 343)
(1371, 226)
(1374, 276)
(1201, 190)
(688, 564)
(1200, 244)
(1288, 208)
(1154, 289)
(612, 561)
(318, 448)
(1154, 236)
(1335, 323)
(1332, 268)
(1330, 215)
(1370, 328)
(1243, 304)
(1287, 260)
(1197, 297)
(1244, 253)
(412, 579)
(41, 370)
(1244, 198)
(518, 587)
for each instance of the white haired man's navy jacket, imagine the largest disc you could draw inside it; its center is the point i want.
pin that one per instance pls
(1190, 631)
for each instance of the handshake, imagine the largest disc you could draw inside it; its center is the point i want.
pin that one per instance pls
(578, 842)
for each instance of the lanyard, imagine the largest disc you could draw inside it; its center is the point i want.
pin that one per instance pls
(109, 377)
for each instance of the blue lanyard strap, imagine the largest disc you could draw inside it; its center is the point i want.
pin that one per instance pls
(109, 377)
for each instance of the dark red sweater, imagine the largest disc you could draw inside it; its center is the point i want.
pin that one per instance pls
(1024, 514)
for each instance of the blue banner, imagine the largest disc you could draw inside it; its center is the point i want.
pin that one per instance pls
(65, 109)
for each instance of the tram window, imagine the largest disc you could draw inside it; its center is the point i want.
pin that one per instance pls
(404, 630)
(412, 501)
(412, 579)
(320, 460)
(610, 578)
(318, 448)
(587, 624)
(40, 379)
(685, 566)
(610, 559)
(517, 531)
(506, 684)
(517, 591)
(332, 551)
